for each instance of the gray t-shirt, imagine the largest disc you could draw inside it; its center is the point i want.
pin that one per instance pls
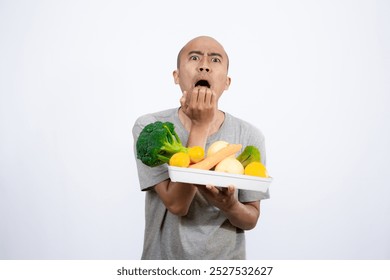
(204, 233)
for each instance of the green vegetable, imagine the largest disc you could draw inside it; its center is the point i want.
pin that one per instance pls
(157, 143)
(250, 154)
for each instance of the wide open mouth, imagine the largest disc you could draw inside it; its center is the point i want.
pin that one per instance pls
(202, 83)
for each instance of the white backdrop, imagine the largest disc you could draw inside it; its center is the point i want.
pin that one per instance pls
(74, 76)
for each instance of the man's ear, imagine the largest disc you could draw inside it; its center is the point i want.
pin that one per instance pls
(228, 81)
(176, 76)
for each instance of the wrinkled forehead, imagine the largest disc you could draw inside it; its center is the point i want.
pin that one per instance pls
(203, 44)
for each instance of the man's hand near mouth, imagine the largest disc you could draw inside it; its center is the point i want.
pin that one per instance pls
(200, 106)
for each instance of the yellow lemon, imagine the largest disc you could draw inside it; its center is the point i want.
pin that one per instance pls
(256, 168)
(180, 159)
(196, 154)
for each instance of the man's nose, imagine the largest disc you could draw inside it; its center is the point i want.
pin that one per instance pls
(204, 67)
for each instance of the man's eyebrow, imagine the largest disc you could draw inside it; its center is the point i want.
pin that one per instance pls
(209, 54)
(195, 52)
(215, 54)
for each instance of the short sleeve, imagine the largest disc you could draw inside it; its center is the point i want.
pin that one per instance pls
(248, 196)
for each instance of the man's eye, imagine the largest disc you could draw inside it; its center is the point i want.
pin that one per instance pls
(215, 59)
(194, 57)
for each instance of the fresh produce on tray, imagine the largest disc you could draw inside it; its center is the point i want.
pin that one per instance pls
(158, 143)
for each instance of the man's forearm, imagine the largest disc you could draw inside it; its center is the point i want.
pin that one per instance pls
(198, 136)
(177, 197)
(243, 215)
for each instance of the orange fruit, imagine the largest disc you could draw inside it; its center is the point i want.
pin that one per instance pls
(196, 154)
(256, 168)
(180, 159)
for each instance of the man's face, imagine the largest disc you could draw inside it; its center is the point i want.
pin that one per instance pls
(203, 62)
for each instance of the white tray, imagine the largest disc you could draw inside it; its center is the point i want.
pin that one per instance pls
(219, 179)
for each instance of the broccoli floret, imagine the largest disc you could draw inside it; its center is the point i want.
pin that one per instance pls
(250, 154)
(157, 143)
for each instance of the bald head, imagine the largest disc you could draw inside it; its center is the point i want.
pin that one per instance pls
(205, 40)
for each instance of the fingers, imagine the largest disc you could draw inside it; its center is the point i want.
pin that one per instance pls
(201, 96)
(199, 105)
(210, 98)
(212, 189)
(229, 191)
(220, 197)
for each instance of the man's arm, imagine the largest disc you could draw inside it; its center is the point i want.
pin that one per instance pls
(177, 197)
(244, 215)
